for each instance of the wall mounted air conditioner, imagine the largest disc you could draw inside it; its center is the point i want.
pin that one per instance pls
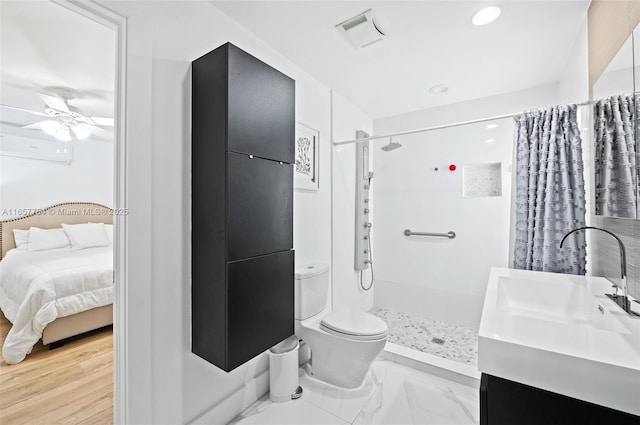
(35, 149)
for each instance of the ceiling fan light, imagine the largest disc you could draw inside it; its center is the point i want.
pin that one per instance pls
(50, 127)
(82, 131)
(63, 134)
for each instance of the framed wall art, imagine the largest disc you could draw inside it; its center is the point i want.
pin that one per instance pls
(305, 173)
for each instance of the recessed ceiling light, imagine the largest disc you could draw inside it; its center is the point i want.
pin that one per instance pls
(490, 141)
(491, 126)
(487, 15)
(438, 89)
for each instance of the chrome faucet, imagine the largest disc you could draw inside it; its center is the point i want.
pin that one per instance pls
(626, 304)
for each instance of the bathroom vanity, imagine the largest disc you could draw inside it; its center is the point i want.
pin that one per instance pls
(243, 120)
(552, 348)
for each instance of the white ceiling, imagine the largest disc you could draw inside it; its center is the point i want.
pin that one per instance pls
(428, 43)
(45, 45)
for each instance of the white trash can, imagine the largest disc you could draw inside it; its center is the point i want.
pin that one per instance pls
(283, 371)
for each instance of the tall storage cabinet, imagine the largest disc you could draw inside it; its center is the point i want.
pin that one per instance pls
(243, 123)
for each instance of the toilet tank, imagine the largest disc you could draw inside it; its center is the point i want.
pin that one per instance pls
(311, 288)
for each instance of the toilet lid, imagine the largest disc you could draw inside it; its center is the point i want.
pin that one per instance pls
(354, 324)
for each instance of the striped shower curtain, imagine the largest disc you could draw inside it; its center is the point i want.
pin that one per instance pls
(615, 156)
(550, 193)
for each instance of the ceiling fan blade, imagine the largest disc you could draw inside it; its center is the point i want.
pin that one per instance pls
(105, 121)
(15, 108)
(100, 132)
(34, 125)
(54, 102)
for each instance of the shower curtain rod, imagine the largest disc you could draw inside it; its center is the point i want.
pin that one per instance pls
(437, 127)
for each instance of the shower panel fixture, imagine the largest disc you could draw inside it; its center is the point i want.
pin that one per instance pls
(363, 222)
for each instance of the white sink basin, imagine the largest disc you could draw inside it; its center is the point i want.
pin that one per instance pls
(564, 301)
(562, 334)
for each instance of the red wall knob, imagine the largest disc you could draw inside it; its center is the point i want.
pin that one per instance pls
(452, 167)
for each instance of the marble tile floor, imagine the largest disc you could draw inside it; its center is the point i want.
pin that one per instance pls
(392, 394)
(447, 340)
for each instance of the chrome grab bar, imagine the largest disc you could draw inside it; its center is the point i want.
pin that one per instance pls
(449, 235)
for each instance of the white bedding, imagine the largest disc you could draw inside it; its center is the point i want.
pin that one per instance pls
(38, 287)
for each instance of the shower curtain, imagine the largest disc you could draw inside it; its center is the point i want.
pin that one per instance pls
(550, 193)
(615, 156)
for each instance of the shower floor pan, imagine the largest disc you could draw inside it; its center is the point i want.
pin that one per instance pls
(442, 339)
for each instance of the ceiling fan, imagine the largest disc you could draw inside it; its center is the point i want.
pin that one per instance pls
(62, 120)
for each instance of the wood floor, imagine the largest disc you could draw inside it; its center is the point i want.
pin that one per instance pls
(72, 384)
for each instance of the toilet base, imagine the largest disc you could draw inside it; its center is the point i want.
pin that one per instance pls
(338, 361)
(308, 375)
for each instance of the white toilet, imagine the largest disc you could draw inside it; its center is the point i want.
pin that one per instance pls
(343, 343)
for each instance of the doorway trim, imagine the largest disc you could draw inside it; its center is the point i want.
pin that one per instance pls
(118, 23)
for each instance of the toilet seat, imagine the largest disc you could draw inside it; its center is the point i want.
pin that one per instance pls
(354, 325)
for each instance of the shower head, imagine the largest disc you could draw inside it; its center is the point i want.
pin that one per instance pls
(391, 146)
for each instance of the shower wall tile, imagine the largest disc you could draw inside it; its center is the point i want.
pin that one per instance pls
(605, 253)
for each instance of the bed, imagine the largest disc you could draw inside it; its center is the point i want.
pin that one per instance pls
(94, 312)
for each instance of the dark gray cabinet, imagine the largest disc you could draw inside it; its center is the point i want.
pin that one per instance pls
(261, 108)
(505, 402)
(243, 120)
(259, 206)
(251, 299)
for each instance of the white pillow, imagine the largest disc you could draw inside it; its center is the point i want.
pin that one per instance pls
(86, 235)
(22, 238)
(43, 239)
(108, 228)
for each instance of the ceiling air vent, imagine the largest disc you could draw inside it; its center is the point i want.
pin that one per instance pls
(361, 30)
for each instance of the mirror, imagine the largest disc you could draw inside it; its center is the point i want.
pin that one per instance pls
(615, 125)
(636, 91)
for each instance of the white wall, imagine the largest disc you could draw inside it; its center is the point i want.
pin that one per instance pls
(30, 183)
(166, 382)
(441, 278)
(615, 82)
(507, 103)
(573, 86)
(347, 293)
